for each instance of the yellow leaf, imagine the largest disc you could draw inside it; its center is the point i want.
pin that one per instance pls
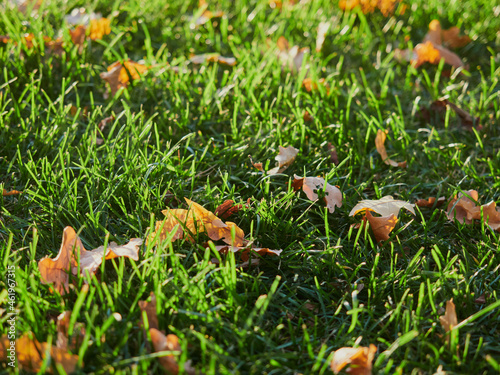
(359, 359)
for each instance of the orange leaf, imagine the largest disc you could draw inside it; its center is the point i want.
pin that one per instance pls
(246, 250)
(12, 192)
(430, 202)
(463, 208)
(57, 270)
(359, 359)
(31, 354)
(449, 319)
(99, 28)
(333, 195)
(166, 343)
(381, 226)
(78, 35)
(150, 309)
(379, 143)
(227, 209)
(369, 6)
(118, 74)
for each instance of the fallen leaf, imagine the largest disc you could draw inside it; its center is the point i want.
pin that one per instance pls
(379, 144)
(102, 125)
(368, 6)
(333, 195)
(63, 341)
(12, 192)
(118, 75)
(149, 308)
(245, 251)
(290, 57)
(439, 108)
(333, 154)
(213, 57)
(196, 219)
(311, 85)
(449, 38)
(207, 15)
(463, 208)
(57, 270)
(31, 354)
(481, 300)
(323, 28)
(99, 28)
(360, 360)
(166, 343)
(78, 35)
(381, 226)
(449, 319)
(285, 158)
(227, 209)
(307, 117)
(431, 202)
(385, 206)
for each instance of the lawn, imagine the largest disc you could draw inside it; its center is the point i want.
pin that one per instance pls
(107, 161)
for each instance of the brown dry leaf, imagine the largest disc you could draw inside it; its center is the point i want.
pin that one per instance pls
(227, 209)
(12, 192)
(385, 206)
(102, 125)
(78, 35)
(212, 57)
(245, 251)
(57, 270)
(311, 85)
(449, 319)
(439, 107)
(463, 208)
(381, 226)
(285, 158)
(368, 6)
(196, 219)
(449, 38)
(31, 354)
(481, 300)
(166, 343)
(333, 154)
(150, 309)
(99, 28)
(290, 57)
(307, 117)
(119, 75)
(360, 360)
(320, 38)
(63, 341)
(379, 143)
(430, 202)
(333, 195)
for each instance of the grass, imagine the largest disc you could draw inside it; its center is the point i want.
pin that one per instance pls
(189, 134)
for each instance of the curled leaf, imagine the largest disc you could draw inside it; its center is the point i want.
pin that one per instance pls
(381, 226)
(118, 75)
(333, 195)
(31, 354)
(449, 319)
(12, 192)
(359, 359)
(431, 202)
(285, 158)
(463, 208)
(227, 209)
(384, 206)
(379, 144)
(72, 255)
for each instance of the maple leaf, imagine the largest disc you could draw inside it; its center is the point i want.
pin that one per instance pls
(212, 57)
(57, 270)
(379, 144)
(118, 75)
(449, 319)
(285, 158)
(359, 359)
(333, 195)
(30, 354)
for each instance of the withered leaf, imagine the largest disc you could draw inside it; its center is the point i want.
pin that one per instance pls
(333, 195)
(381, 226)
(57, 270)
(333, 154)
(65, 342)
(227, 209)
(431, 202)
(379, 144)
(245, 251)
(285, 158)
(466, 210)
(118, 75)
(386, 7)
(290, 57)
(30, 354)
(12, 192)
(213, 57)
(150, 309)
(360, 360)
(449, 319)
(384, 206)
